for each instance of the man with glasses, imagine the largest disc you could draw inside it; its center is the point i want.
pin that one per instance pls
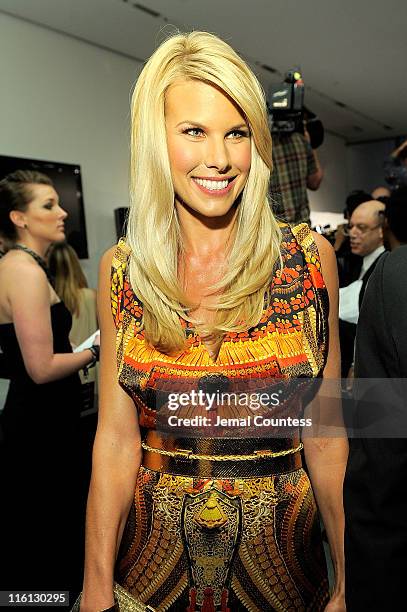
(366, 240)
(349, 265)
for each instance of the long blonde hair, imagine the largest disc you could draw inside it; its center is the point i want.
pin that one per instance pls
(69, 277)
(153, 232)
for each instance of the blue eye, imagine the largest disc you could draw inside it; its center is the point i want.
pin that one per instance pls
(193, 131)
(239, 134)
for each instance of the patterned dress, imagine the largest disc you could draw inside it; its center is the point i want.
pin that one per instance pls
(226, 535)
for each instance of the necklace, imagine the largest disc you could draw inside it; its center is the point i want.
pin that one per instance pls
(40, 261)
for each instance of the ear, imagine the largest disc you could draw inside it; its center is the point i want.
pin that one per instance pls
(18, 218)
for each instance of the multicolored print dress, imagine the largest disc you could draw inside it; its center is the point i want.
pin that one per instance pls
(219, 524)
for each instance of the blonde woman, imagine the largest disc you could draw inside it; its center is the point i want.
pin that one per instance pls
(72, 287)
(197, 291)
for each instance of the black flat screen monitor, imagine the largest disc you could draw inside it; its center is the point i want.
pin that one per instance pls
(68, 183)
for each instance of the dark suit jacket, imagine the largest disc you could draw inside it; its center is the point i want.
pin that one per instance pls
(375, 492)
(4, 373)
(349, 265)
(347, 331)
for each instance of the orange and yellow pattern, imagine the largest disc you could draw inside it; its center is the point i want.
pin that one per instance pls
(262, 550)
(290, 340)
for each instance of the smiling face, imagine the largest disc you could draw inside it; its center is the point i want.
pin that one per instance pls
(43, 218)
(209, 148)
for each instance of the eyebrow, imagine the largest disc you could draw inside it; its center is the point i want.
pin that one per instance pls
(200, 125)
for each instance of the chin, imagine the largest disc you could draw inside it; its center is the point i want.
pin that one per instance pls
(211, 210)
(214, 212)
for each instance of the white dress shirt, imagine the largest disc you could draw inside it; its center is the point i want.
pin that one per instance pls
(349, 296)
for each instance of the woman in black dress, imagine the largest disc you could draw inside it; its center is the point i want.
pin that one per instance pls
(40, 510)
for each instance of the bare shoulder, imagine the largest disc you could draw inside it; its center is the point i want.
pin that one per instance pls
(106, 260)
(329, 266)
(326, 254)
(104, 281)
(22, 282)
(325, 248)
(17, 266)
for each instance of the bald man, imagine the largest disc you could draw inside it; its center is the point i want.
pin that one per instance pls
(366, 239)
(380, 192)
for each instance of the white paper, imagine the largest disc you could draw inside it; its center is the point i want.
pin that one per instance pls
(87, 343)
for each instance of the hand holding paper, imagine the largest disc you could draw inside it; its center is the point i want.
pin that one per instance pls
(93, 339)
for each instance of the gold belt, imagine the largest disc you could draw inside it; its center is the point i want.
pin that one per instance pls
(189, 454)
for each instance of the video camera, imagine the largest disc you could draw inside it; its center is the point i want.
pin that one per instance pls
(285, 103)
(287, 113)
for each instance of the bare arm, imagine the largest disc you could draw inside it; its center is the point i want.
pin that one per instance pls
(30, 311)
(116, 461)
(326, 457)
(397, 151)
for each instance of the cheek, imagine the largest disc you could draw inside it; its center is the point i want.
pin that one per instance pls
(182, 158)
(36, 218)
(242, 159)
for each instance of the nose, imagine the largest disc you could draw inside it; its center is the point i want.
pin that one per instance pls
(217, 154)
(63, 214)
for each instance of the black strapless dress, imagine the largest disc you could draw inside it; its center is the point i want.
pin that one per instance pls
(41, 503)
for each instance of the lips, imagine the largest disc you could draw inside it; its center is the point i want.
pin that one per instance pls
(214, 186)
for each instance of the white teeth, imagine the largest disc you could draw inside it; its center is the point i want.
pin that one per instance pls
(212, 185)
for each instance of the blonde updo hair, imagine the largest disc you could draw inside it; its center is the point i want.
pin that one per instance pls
(153, 232)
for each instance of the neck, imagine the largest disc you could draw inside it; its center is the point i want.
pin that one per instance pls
(204, 236)
(38, 246)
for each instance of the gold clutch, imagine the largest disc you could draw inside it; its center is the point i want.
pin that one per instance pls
(124, 601)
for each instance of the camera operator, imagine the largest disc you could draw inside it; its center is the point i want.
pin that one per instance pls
(296, 166)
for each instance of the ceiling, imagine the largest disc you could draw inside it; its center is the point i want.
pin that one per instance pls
(352, 53)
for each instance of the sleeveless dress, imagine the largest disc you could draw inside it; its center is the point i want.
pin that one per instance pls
(210, 530)
(41, 515)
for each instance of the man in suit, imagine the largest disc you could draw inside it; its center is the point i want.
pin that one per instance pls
(366, 240)
(375, 495)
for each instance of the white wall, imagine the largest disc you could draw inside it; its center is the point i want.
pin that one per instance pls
(65, 100)
(365, 164)
(334, 187)
(68, 101)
